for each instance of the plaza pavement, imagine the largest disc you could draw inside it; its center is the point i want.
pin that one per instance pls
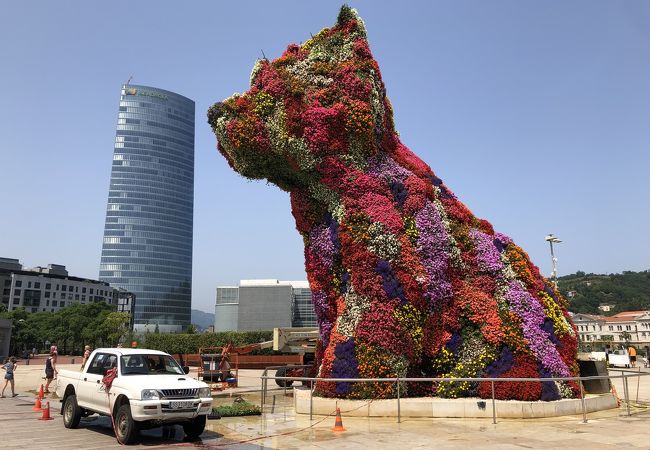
(282, 429)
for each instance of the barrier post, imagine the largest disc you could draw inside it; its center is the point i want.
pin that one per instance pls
(638, 381)
(311, 400)
(627, 395)
(273, 405)
(494, 407)
(399, 412)
(582, 398)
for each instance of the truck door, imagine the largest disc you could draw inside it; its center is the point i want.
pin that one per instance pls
(91, 388)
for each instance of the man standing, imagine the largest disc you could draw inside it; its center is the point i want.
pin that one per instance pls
(86, 356)
(632, 352)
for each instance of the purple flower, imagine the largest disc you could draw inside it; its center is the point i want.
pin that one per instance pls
(345, 365)
(502, 364)
(487, 254)
(532, 317)
(320, 241)
(432, 241)
(391, 284)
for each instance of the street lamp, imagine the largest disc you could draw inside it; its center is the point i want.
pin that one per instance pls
(553, 240)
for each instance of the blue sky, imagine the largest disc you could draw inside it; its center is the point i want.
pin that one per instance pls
(536, 114)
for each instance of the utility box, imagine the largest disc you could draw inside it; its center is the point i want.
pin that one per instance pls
(592, 369)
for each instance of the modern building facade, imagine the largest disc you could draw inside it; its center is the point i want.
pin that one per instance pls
(264, 305)
(49, 288)
(147, 247)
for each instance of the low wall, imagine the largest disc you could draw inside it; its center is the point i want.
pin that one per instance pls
(442, 407)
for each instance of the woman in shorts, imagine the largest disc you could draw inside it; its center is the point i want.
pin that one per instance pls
(9, 367)
(50, 368)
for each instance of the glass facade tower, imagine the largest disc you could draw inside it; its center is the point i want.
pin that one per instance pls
(147, 247)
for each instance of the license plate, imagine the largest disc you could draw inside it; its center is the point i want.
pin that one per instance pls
(181, 405)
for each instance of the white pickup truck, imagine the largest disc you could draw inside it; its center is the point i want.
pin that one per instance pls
(150, 389)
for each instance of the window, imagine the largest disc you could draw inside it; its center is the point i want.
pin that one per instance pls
(53, 294)
(62, 304)
(37, 285)
(48, 285)
(83, 298)
(47, 303)
(76, 296)
(83, 290)
(57, 287)
(92, 291)
(611, 328)
(628, 327)
(64, 287)
(29, 285)
(16, 292)
(76, 289)
(55, 303)
(19, 283)
(101, 363)
(47, 294)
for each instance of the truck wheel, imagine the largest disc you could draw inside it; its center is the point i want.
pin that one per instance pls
(194, 428)
(126, 429)
(282, 372)
(71, 412)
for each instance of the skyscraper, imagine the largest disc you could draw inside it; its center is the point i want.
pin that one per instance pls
(147, 247)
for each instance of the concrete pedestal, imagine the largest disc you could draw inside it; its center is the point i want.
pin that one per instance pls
(442, 407)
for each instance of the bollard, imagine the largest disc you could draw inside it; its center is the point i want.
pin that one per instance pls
(273, 405)
(311, 400)
(494, 407)
(627, 396)
(399, 412)
(582, 398)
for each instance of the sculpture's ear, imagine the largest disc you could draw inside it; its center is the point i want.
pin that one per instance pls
(349, 18)
(257, 68)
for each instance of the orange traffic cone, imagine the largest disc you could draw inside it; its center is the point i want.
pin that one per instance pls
(41, 394)
(338, 425)
(46, 412)
(37, 405)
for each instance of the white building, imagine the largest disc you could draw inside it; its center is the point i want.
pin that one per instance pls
(263, 305)
(49, 288)
(628, 326)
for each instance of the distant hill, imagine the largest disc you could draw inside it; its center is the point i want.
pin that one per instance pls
(627, 291)
(202, 320)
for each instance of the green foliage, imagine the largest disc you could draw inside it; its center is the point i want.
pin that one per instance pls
(628, 291)
(238, 409)
(96, 324)
(191, 343)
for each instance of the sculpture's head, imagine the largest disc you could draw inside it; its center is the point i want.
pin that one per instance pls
(321, 99)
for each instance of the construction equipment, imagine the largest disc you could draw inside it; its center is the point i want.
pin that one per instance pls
(219, 366)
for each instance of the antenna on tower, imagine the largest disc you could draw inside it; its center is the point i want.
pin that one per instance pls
(263, 55)
(129, 80)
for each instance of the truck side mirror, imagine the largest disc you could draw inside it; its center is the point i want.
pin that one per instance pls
(186, 369)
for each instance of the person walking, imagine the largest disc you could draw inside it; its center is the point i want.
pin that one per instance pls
(50, 371)
(9, 367)
(86, 356)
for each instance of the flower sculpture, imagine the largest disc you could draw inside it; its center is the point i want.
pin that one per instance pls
(406, 281)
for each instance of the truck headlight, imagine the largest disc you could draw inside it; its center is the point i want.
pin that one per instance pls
(204, 392)
(149, 394)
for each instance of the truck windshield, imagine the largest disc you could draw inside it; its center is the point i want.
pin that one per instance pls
(143, 364)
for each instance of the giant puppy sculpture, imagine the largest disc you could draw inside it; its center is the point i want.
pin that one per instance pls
(406, 281)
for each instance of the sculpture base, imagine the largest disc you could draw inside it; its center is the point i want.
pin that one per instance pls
(458, 407)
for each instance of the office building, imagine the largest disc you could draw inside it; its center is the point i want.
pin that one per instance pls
(264, 305)
(49, 289)
(147, 247)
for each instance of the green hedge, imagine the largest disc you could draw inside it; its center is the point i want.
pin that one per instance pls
(238, 409)
(191, 343)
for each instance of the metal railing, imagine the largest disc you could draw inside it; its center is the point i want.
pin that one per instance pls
(625, 375)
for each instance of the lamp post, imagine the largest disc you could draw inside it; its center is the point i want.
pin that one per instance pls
(553, 240)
